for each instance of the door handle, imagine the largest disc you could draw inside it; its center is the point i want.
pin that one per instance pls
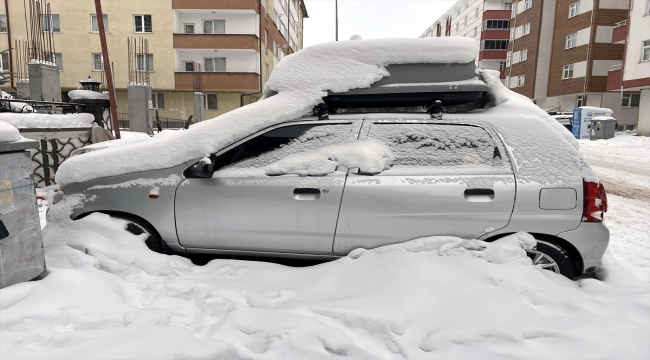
(479, 195)
(306, 193)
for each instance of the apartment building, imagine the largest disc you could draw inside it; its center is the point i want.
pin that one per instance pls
(236, 42)
(631, 77)
(487, 21)
(561, 52)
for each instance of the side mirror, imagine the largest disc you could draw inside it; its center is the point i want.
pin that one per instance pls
(204, 168)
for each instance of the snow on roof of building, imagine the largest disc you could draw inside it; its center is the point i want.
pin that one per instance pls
(34, 120)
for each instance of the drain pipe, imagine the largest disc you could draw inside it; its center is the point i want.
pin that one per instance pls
(11, 59)
(584, 84)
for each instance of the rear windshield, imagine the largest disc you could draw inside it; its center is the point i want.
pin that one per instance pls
(446, 147)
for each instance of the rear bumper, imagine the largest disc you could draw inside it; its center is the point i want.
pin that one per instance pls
(591, 240)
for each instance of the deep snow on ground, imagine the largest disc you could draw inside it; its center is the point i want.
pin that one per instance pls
(108, 297)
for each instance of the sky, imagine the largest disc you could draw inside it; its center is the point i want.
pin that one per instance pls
(371, 18)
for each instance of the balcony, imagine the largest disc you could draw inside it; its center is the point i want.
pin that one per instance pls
(495, 35)
(216, 41)
(619, 34)
(234, 81)
(502, 74)
(615, 78)
(216, 4)
(492, 54)
(497, 14)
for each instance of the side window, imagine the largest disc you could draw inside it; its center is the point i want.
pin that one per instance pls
(279, 143)
(432, 148)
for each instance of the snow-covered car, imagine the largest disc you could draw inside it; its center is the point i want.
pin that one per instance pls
(358, 144)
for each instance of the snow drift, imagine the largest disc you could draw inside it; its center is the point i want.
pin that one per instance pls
(8, 133)
(34, 120)
(108, 297)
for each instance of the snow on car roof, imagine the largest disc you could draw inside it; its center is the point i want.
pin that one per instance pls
(301, 80)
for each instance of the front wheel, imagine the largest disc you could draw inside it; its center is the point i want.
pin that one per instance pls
(553, 258)
(137, 226)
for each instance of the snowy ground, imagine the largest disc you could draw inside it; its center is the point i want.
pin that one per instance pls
(108, 297)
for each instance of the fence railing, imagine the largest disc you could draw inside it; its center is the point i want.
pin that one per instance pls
(166, 123)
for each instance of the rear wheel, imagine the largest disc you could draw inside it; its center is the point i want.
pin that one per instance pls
(137, 227)
(553, 258)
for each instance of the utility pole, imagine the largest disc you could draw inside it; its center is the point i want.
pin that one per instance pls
(336, 9)
(107, 68)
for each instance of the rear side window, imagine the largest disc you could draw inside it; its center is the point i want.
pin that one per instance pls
(440, 146)
(279, 143)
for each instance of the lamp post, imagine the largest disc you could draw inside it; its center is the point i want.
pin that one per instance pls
(336, 10)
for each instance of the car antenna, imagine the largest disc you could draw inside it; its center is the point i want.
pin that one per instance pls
(436, 110)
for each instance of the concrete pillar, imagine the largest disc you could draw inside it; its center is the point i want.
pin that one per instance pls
(643, 128)
(139, 111)
(44, 82)
(22, 89)
(199, 114)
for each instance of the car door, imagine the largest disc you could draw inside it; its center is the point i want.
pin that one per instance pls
(242, 208)
(452, 180)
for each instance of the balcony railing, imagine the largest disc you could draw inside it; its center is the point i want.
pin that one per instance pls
(216, 41)
(621, 23)
(619, 34)
(235, 81)
(216, 4)
(614, 78)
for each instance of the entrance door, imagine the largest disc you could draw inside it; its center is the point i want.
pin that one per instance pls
(449, 180)
(242, 208)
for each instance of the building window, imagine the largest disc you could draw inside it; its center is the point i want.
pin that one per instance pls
(142, 23)
(210, 102)
(188, 28)
(476, 31)
(631, 100)
(158, 100)
(567, 72)
(144, 62)
(189, 65)
(3, 23)
(513, 14)
(214, 26)
(502, 65)
(571, 40)
(645, 50)
(94, 25)
(528, 4)
(58, 60)
(98, 62)
(574, 9)
(268, 72)
(214, 64)
(51, 23)
(526, 29)
(581, 100)
(520, 80)
(478, 11)
(507, 6)
(4, 61)
(523, 55)
(496, 24)
(494, 45)
(274, 48)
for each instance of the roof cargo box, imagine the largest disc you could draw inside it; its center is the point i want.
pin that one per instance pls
(415, 85)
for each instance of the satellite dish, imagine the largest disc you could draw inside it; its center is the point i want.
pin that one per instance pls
(356, 37)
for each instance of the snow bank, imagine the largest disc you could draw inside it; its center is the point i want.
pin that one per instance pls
(33, 120)
(87, 94)
(301, 80)
(371, 157)
(108, 297)
(16, 106)
(8, 133)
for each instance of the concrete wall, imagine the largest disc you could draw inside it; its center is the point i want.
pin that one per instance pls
(44, 82)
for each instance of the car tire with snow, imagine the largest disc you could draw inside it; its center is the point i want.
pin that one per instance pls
(136, 227)
(553, 258)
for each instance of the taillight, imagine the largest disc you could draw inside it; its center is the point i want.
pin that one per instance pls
(595, 202)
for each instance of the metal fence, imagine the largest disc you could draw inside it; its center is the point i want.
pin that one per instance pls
(166, 123)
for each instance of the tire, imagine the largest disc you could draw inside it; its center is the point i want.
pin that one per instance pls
(553, 258)
(137, 226)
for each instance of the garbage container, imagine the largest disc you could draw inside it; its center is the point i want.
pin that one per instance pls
(602, 127)
(21, 244)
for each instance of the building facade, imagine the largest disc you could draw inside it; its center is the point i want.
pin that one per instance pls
(487, 21)
(556, 52)
(631, 77)
(237, 43)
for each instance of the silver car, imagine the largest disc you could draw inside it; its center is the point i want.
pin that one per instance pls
(451, 174)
